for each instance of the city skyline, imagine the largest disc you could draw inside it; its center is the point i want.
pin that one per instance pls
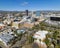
(17, 5)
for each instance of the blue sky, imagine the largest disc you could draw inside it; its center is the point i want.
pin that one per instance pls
(29, 4)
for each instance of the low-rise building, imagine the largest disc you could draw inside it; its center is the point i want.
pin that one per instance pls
(5, 37)
(28, 25)
(39, 37)
(7, 21)
(16, 24)
(38, 44)
(2, 25)
(29, 21)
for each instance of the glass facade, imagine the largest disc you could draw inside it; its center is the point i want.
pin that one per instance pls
(37, 13)
(55, 18)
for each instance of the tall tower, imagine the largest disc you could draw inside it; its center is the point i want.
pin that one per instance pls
(27, 12)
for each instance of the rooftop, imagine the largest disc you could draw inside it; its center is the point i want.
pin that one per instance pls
(6, 37)
(40, 34)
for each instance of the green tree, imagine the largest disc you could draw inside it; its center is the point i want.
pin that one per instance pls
(31, 39)
(55, 33)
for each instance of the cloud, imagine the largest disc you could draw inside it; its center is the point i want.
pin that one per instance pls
(24, 3)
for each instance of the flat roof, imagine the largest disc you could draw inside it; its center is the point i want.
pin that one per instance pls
(6, 37)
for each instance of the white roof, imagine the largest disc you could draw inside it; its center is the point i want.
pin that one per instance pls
(40, 35)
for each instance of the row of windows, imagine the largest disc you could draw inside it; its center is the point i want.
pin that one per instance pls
(55, 18)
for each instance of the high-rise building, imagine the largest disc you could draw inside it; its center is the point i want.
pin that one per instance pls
(27, 12)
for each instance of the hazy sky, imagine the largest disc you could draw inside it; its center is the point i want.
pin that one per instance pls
(29, 4)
